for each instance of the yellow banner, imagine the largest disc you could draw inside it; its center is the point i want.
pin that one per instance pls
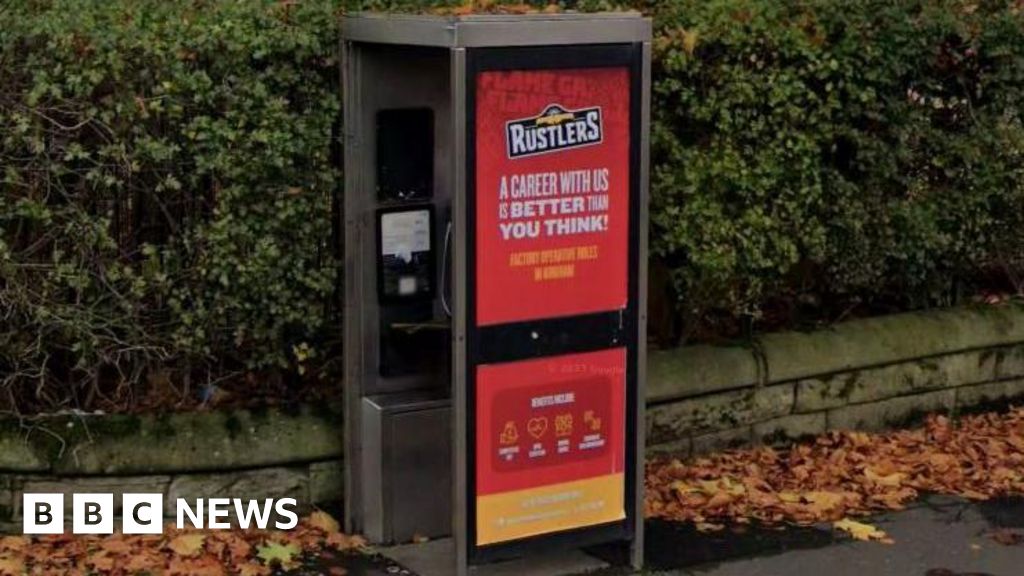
(524, 513)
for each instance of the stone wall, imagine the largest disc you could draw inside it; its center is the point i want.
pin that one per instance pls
(864, 374)
(242, 454)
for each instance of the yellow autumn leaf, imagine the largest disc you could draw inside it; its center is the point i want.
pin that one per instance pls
(724, 484)
(11, 566)
(187, 545)
(709, 527)
(733, 487)
(861, 531)
(324, 521)
(681, 487)
(893, 480)
(690, 38)
(824, 501)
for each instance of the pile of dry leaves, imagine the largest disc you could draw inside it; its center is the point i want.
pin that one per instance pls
(843, 474)
(177, 552)
(468, 7)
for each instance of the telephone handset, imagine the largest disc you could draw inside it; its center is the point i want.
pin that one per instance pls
(445, 271)
(405, 230)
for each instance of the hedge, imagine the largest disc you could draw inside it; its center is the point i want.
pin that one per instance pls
(169, 175)
(168, 182)
(831, 149)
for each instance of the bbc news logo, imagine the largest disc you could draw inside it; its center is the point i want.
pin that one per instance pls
(144, 513)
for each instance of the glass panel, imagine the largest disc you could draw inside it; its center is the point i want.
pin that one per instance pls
(405, 154)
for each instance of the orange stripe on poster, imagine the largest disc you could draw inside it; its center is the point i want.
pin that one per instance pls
(531, 512)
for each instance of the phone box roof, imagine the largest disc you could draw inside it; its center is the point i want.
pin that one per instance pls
(491, 30)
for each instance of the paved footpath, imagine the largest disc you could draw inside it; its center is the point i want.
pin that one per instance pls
(938, 536)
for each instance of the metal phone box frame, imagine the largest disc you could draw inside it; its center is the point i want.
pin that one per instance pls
(495, 215)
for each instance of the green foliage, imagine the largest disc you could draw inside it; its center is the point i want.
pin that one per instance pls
(168, 171)
(167, 184)
(868, 149)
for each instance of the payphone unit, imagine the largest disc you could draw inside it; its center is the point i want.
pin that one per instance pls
(495, 264)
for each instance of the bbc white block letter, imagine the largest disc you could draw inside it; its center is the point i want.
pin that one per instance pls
(42, 513)
(93, 514)
(143, 513)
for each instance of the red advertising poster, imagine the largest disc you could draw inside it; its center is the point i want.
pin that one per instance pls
(550, 453)
(552, 193)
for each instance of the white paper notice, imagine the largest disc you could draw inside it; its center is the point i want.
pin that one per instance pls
(405, 233)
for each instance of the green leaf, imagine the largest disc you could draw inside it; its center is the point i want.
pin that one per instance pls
(274, 552)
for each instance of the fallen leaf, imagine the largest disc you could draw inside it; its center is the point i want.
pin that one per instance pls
(144, 560)
(861, 531)
(324, 521)
(344, 542)
(11, 566)
(892, 480)
(823, 503)
(719, 500)
(841, 474)
(1007, 537)
(187, 545)
(117, 545)
(283, 554)
(101, 561)
(178, 553)
(14, 543)
(238, 549)
(252, 569)
(203, 566)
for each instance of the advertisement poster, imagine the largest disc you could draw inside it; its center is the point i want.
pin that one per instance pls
(550, 452)
(552, 193)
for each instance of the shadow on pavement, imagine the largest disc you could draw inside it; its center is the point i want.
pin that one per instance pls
(1003, 512)
(349, 565)
(672, 546)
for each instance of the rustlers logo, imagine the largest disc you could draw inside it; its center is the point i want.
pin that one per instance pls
(555, 129)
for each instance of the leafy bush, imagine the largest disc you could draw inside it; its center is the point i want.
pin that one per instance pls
(169, 174)
(831, 149)
(167, 184)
